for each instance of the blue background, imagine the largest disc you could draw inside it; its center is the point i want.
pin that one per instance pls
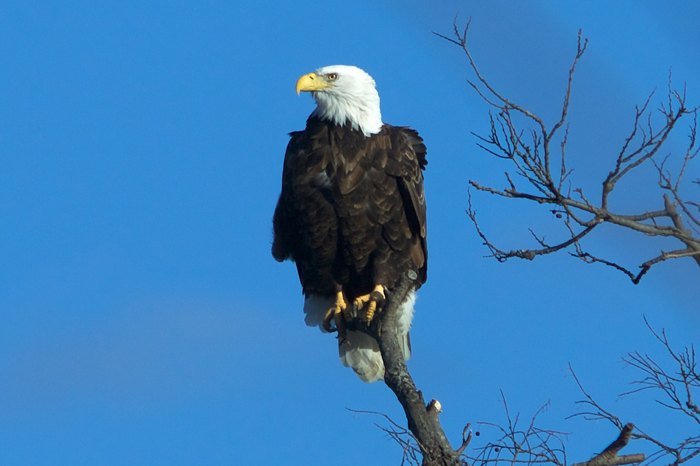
(141, 143)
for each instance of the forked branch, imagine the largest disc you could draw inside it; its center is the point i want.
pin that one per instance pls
(677, 389)
(536, 152)
(609, 456)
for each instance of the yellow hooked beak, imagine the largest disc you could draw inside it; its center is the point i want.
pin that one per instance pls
(311, 82)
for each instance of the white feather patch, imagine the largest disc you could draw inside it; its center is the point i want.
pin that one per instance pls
(406, 312)
(360, 352)
(321, 180)
(315, 308)
(352, 98)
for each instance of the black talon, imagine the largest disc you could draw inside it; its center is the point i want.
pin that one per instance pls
(377, 297)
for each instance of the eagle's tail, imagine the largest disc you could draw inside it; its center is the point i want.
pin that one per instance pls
(358, 350)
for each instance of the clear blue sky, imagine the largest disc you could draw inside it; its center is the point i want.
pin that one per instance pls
(143, 319)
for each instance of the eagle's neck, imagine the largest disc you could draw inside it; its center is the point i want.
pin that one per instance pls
(360, 111)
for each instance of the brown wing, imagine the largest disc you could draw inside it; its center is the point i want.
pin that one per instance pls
(304, 222)
(282, 224)
(407, 162)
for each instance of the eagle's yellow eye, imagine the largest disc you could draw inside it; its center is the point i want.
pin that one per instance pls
(332, 76)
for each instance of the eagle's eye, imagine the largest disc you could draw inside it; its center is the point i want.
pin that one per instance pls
(332, 76)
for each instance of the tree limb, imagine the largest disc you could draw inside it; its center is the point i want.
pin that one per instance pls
(423, 421)
(677, 394)
(525, 141)
(609, 457)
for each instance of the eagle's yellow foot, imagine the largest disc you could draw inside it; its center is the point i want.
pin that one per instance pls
(335, 313)
(370, 302)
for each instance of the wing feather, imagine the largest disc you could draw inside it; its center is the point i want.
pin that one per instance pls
(408, 162)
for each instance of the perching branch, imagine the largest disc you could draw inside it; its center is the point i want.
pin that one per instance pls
(531, 444)
(531, 146)
(423, 421)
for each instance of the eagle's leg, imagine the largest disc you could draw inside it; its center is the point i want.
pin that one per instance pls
(370, 302)
(335, 313)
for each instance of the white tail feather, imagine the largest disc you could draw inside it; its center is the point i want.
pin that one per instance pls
(315, 308)
(404, 323)
(359, 351)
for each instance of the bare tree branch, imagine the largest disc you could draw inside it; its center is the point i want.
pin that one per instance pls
(677, 390)
(423, 420)
(676, 387)
(411, 450)
(528, 144)
(609, 457)
(530, 444)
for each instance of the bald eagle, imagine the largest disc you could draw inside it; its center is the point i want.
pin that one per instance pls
(351, 213)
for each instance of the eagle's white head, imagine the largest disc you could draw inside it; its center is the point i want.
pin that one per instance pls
(344, 94)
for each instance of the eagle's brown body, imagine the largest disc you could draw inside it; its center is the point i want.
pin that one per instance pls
(352, 213)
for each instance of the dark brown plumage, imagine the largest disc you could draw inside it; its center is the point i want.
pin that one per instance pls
(352, 212)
